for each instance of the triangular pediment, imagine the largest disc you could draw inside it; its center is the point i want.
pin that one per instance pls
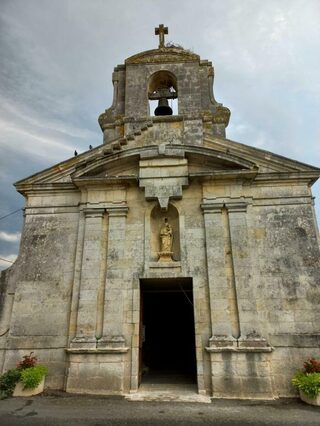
(110, 167)
(203, 160)
(216, 155)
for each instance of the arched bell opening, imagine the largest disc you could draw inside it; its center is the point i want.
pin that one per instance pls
(163, 94)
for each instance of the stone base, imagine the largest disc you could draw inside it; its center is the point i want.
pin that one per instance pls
(19, 390)
(165, 256)
(99, 371)
(241, 372)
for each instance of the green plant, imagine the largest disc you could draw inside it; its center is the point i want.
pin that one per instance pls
(308, 383)
(8, 381)
(32, 376)
(27, 372)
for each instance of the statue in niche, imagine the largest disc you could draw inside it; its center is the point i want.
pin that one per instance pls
(166, 239)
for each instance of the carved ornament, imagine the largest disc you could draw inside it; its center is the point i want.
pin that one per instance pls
(222, 115)
(109, 117)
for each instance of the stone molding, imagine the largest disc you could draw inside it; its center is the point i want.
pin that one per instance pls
(97, 350)
(233, 206)
(93, 212)
(113, 210)
(160, 265)
(35, 210)
(117, 211)
(107, 344)
(229, 344)
(212, 207)
(266, 349)
(237, 206)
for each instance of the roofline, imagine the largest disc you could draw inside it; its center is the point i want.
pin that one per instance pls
(262, 151)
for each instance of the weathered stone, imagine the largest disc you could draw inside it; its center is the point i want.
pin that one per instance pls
(243, 241)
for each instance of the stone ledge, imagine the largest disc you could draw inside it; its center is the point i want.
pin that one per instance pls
(166, 118)
(160, 265)
(265, 349)
(97, 350)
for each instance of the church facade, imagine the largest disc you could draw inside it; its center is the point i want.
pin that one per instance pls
(167, 250)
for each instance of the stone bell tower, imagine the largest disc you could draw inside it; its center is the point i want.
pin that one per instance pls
(169, 72)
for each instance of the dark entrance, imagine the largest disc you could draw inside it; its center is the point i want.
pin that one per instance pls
(167, 332)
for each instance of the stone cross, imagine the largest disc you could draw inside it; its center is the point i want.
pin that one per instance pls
(161, 31)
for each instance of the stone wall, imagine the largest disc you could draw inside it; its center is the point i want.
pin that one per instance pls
(251, 251)
(40, 282)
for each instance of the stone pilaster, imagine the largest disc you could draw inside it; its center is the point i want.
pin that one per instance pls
(90, 278)
(217, 279)
(113, 324)
(242, 264)
(240, 357)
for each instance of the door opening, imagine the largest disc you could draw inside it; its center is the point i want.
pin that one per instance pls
(167, 332)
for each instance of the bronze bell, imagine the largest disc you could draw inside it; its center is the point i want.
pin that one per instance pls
(163, 107)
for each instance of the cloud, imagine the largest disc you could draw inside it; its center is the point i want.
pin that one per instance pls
(6, 236)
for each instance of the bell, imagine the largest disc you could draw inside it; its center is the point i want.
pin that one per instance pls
(163, 107)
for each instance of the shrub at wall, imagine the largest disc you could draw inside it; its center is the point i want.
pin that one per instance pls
(27, 371)
(308, 380)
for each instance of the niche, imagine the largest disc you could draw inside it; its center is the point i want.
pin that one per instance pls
(156, 222)
(163, 94)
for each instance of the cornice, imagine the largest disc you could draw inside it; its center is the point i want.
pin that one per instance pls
(34, 188)
(306, 177)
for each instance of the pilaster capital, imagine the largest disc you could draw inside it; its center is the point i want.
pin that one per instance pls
(117, 210)
(211, 207)
(93, 212)
(236, 206)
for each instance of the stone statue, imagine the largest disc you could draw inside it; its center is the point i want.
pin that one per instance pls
(166, 238)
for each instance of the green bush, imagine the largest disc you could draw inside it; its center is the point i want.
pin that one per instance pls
(31, 377)
(308, 383)
(8, 381)
(27, 372)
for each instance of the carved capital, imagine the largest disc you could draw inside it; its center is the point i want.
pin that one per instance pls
(236, 206)
(117, 211)
(211, 207)
(93, 212)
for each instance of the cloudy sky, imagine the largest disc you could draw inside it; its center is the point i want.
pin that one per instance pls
(57, 59)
